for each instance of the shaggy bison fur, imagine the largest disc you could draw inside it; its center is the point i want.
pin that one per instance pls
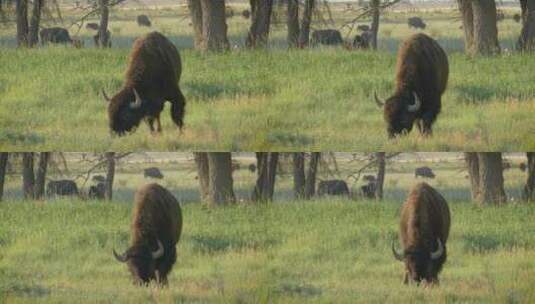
(151, 79)
(155, 231)
(327, 37)
(61, 187)
(421, 78)
(55, 35)
(92, 26)
(152, 172)
(423, 230)
(424, 172)
(333, 187)
(97, 192)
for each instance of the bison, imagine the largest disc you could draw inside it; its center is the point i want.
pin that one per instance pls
(151, 79)
(154, 233)
(97, 192)
(369, 178)
(363, 27)
(153, 172)
(92, 26)
(423, 231)
(246, 14)
(368, 190)
(333, 187)
(143, 20)
(327, 37)
(424, 172)
(96, 39)
(522, 166)
(421, 78)
(98, 178)
(362, 41)
(55, 35)
(416, 22)
(61, 187)
(252, 168)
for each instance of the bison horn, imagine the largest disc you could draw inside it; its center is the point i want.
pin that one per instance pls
(440, 251)
(397, 255)
(417, 103)
(378, 101)
(120, 257)
(105, 96)
(158, 253)
(138, 101)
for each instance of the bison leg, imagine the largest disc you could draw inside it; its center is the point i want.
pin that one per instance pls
(150, 122)
(178, 104)
(158, 124)
(426, 122)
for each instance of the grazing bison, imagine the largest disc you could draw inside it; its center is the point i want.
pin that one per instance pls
(416, 22)
(362, 41)
(143, 20)
(368, 190)
(424, 172)
(369, 178)
(252, 168)
(327, 37)
(333, 187)
(363, 27)
(153, 172)
(421, 78)
(155, 231)
(97, 192)
(423, 230)
(61, 187)
(151, 79)
(96, 39)
(92, 26)
(55, 35)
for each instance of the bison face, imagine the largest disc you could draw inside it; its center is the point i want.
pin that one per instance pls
(400, 112)
(125, 111)
(141, 261)
(420, 263)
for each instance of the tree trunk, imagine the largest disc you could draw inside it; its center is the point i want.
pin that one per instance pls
(103, 38)
(526, 41)
(491, 178)
(110, 174)
(34, 23)
(472, 164)
(221, 183)
(310, 182)
(260, 22)
(379, 181)
(485, 28)
(201, 160)
(3, 166)
(195, 11)
(467, 17)
(375, 23)
(304, 33)
(28, 178)
(214, 26)
(22, 23)
(267, 172)
(529, 188)
(40, 176)
(292, 23)
(299, 174)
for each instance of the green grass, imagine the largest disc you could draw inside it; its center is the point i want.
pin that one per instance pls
(320, 99)
(324, 251)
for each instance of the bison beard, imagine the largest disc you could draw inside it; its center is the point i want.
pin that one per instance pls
(421, 79)
(151, 79)
(424, 230)
(155, 231)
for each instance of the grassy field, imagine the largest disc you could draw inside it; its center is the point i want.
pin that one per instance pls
(319, 99)
(324, 251)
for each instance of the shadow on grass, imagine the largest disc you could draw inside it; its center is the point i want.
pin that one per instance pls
(210, 245)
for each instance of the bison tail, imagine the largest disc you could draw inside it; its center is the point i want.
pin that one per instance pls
(178, 109)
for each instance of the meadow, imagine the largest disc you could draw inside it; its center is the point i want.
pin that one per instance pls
(315, 99)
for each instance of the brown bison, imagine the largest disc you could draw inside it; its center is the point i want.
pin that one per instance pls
(151, 79)
(425, 172)
(423, 230)
(416, 22)
(333, 187)
(326, 37)
(61, 187)
(155, 231)
(143, 20)
(55, 35)
(421, 78)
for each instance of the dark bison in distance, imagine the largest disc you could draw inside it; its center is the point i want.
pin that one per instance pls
(155, 231)
(153, 172)
(151, 79)
(143, 20)
(96, 39)
(333, 187)
(421, 78)
(327, 37)
(92, 26)
(423, 231)
(424, 172)
(97, 192)
(55, 35)
(362, 41)
(416, 22)
(61, 187)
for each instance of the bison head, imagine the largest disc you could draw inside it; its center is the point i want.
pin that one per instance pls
(125, 110)
(141, 261)
(418, 262)
(400, 112)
